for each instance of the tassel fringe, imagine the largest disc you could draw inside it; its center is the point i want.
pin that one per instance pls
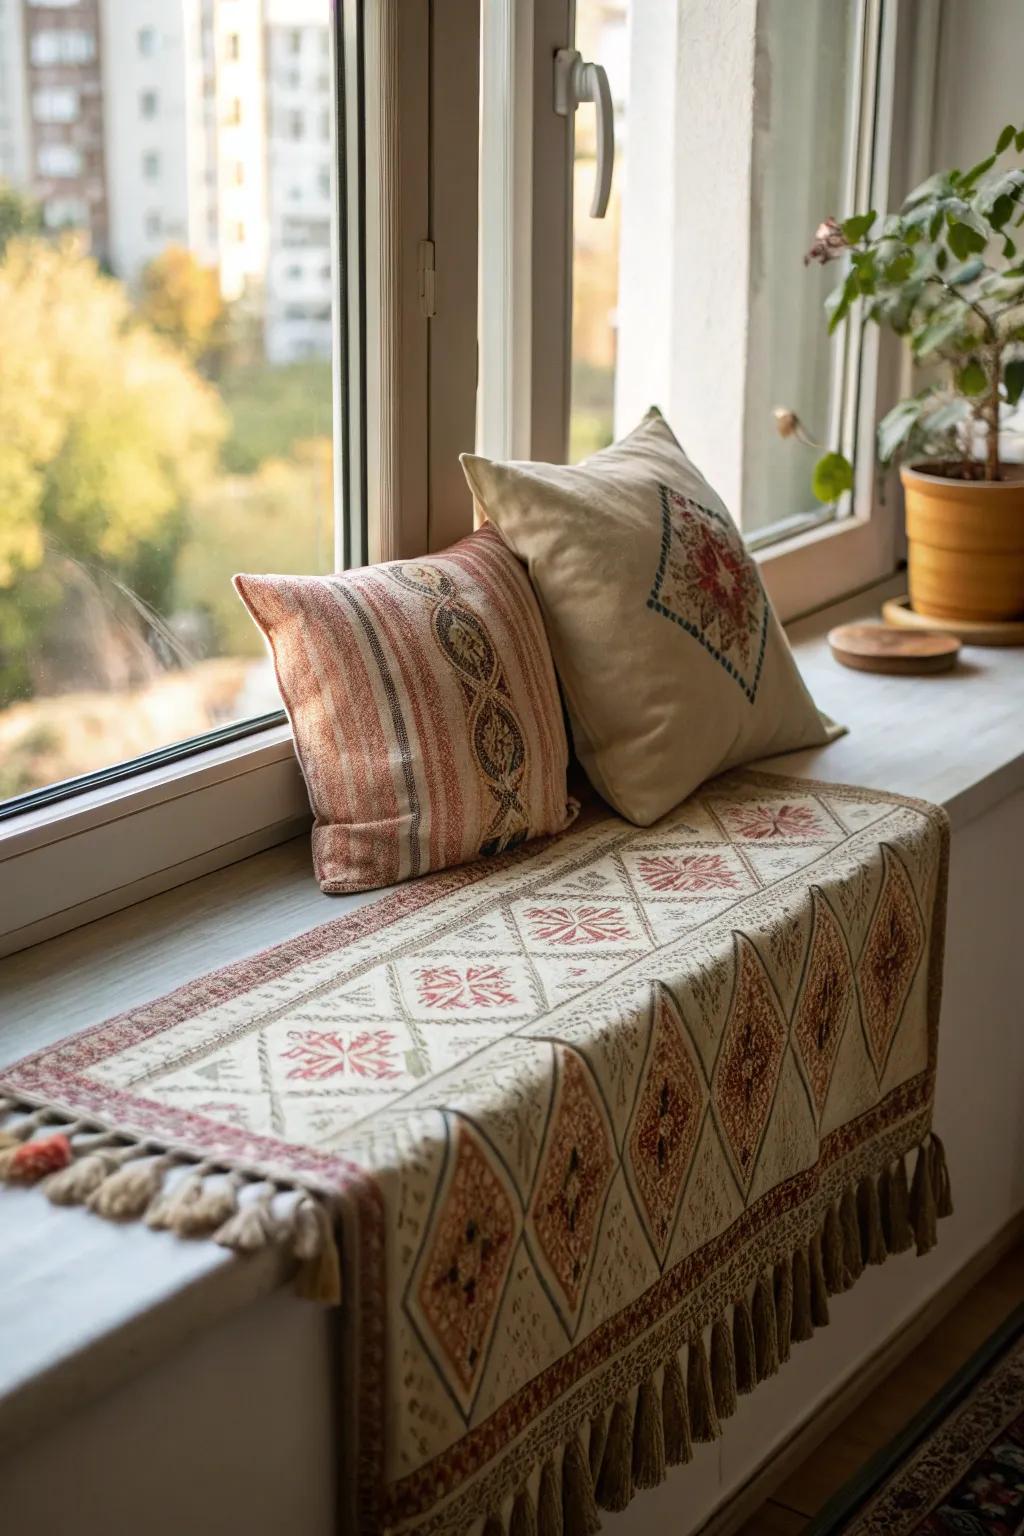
(79, 1164)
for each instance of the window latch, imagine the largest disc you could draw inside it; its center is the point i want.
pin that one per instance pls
(576, 81)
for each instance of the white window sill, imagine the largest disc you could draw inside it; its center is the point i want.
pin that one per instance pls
(70, 1330)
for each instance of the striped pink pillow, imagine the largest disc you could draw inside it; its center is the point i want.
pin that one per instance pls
(424, 706)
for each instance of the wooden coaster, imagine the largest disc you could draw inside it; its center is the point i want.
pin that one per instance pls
(878, 648)
(1005, 632)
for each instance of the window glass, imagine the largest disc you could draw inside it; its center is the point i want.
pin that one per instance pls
(688, 294)
(165, 386)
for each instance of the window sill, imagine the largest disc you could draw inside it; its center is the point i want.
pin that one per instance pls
(69, 1330)
(111, 847)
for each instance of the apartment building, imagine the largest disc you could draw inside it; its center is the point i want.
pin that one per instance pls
(60, 129)
(203, 123)
(299, 157)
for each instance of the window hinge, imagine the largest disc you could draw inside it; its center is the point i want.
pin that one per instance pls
(425, 266)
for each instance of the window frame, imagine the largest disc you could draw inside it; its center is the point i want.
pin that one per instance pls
(527, 257)
(74, 852)
(406, 357)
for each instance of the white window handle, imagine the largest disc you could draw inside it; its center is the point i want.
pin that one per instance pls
(577, 81)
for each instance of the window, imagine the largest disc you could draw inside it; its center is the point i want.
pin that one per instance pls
(65, 213)
(199, 448)
(233, 114)
(68, 46)
(295, 40)
(678, 284)
(59, 160)
(233, 45)
(295, 125)
(57, 105)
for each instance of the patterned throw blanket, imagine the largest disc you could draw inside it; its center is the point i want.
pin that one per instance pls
(599, 1126)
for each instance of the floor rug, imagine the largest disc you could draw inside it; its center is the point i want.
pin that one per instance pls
(958, 1467)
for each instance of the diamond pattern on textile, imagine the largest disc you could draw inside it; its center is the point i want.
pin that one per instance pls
(556, 924)
(747, 1071)
(689, 872)
(827, 994)
(707, 584)
(890, 957)
(576, 1167)
(463, 1275)
(670, 1105)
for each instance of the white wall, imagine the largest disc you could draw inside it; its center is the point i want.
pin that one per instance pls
(980, 83)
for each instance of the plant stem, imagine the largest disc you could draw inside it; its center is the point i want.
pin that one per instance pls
(992, 470)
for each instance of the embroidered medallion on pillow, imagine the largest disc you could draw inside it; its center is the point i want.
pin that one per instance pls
(425, 710)
(673, 663)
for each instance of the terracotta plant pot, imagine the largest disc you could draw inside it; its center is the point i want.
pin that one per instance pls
(965, 544)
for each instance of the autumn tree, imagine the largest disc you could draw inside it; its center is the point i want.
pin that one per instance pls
(182, 300)
(106, 433)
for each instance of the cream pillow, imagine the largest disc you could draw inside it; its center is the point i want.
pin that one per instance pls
(672, 661)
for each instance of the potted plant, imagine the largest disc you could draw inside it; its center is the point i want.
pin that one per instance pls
(945, 272)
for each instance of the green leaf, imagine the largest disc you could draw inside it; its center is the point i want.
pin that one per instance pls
(856, 228)
(1002, 211)
(963, 240)
(899, 269)
(1013, 378)
(1009, 249)
(837, 305)
(966, 273)
(1006, 138)
(972, 380)
(935, 186)
(1019, 141)
(949, 415)
(896, 425)
(833, 474)
(942, 258)
(976, 171)
(937, 331)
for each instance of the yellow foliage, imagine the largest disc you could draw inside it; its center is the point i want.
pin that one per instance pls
(104, 427)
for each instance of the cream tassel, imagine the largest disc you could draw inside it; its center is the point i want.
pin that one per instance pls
(524, 1517)
(940, 1179)
(853, 1258)
(549, 1502)
(869, 1216)
(802, 1327)
(579, 1511)
(125, 1194)
(819, 1290)
(783, 1289)
(743, 1346)
(253, 1225)
(922, 1202)
(74, 1184)
(319, 1278)
(700, 1401)
(596, 1444)
(615, 1482)
(766, 1344)
(832, 1252)
(674, 1417)
(894, 1198)
(648, 1438)
(723, 1369)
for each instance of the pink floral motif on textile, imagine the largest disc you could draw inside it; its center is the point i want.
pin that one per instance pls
(474, 986)
(321, 1054)
(773, 821)
(578, 925)
(693, 872)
